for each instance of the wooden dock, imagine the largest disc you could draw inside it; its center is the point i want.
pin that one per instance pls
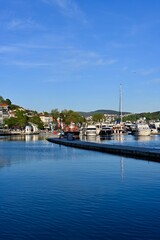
(151, 154)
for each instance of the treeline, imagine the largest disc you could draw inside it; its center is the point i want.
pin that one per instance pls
(148, 116)
(23, 117)
(67, 116)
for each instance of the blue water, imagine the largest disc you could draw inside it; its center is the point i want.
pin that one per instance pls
(152, 141)
(49, 191)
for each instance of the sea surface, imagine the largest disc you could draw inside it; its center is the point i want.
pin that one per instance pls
(48, 191)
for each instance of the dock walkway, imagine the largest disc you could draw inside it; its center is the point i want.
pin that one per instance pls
(152, 154)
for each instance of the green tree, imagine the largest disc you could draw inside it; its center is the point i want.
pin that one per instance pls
(1, 99)
(55, 114)
(36, 119)
(69, 116)
(98, 117)
(11, 122)
(8, 101)
(22, 119)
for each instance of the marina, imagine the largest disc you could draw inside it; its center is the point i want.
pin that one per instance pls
(79, 120)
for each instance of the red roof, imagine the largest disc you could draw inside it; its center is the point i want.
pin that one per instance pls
(3, 105)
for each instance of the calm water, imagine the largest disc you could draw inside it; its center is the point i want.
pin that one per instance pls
(49, 191)
(152, 141)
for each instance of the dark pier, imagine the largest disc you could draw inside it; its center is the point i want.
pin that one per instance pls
(151, 154)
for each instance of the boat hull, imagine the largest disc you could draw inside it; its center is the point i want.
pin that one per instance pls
(105, 132)
(143, 133)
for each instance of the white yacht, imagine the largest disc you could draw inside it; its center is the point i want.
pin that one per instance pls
(90, 130)
(142, 129)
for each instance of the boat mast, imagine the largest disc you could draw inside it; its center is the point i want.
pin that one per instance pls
(120, 103)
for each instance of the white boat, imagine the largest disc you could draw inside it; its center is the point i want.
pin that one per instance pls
(90, 130)
(142, 129)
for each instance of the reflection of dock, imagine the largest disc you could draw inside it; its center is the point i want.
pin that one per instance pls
(7, 132)
(128, 151)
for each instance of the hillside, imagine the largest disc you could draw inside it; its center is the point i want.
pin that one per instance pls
(103, 111)
(147, 115)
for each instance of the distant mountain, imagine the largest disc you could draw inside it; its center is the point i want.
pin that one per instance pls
(103, 111)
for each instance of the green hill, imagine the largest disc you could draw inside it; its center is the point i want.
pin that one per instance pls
(103, 111)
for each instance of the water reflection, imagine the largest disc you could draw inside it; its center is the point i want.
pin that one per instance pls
(90, 138)
(27, 137)
(122, 167)
(31, 138)
(59, 192)
(97, 139)
(143, 138)
(104, 138)
(119, 137)
(152, 141)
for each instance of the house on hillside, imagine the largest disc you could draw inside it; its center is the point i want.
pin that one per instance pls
(46, 119)
(4, 114)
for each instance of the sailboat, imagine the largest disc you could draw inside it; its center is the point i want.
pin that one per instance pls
(118, 128)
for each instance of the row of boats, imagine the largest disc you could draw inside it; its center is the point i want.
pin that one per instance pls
(140, 129)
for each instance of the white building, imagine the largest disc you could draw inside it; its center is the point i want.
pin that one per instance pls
(3, 113)
(46, 119)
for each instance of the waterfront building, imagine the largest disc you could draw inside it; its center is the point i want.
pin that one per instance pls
(46, 119)
(3, 113)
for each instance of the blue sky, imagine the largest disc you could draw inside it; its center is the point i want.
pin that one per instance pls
(73, 54)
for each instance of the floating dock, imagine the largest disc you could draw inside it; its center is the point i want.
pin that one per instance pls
(152, 154)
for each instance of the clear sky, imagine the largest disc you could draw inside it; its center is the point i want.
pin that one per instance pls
(73, 54)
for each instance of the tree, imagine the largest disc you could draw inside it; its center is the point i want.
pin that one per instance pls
(55, 114)
(1, 99)
(8, 101)
(36, 119)
(46, 113)
(98, 117)
(69, 116)
(11, 122)
(22, 119)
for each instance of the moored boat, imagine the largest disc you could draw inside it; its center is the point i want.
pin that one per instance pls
(106, 130)
(142, 129)
(90, 130)
(72, 129)
(155, 127)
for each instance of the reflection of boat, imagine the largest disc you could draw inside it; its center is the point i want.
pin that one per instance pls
(89, 138)
(143, 138)
(74, 134)
(142, 129)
